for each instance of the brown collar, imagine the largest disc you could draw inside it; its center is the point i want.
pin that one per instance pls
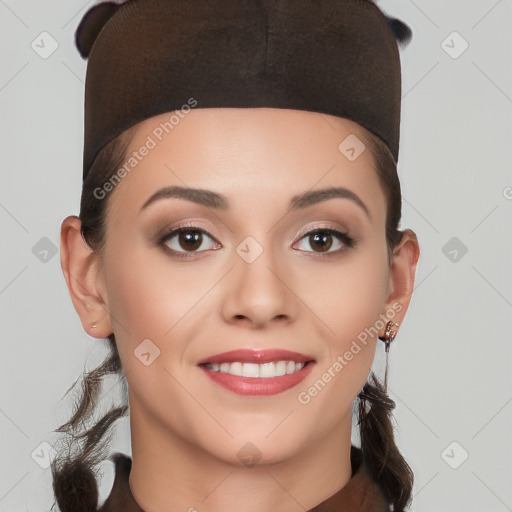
(360, 494)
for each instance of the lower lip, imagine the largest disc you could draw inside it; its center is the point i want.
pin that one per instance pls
(256, 386)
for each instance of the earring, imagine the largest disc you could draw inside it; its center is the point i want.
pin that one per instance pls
(94, 325)
(389, 336)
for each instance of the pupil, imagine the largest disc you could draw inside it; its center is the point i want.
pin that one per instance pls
(192, 240)
(320, 237)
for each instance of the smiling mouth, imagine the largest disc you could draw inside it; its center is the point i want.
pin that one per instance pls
(253, 370)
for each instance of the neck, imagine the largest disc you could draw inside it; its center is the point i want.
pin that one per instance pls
(169, 473)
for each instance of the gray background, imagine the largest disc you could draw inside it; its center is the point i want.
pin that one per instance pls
(450, 367)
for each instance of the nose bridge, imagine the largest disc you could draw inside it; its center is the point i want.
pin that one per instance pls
(257, 289)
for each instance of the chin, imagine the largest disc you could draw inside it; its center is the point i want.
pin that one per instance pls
(254, 453)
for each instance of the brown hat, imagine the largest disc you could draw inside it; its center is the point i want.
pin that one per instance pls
(148, 57)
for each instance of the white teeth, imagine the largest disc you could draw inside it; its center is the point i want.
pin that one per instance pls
(236, 369)
(281, 368)
(265, 370)
(250, 370)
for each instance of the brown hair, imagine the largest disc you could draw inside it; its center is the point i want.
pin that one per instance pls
(74, 470)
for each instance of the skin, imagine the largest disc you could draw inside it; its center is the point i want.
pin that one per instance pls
(186, 430)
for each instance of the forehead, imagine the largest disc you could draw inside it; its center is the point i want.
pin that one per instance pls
(260, 154)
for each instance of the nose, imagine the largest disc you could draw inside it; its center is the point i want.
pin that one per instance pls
(259, 293)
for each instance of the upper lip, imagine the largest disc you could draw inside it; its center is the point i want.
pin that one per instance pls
(257, 356)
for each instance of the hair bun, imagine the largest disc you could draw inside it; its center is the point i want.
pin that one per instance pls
(91, 25)
(75, 487)
(402, 31)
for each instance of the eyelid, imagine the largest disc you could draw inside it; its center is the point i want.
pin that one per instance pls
(307, 230)
(182, 227)
(187, 224)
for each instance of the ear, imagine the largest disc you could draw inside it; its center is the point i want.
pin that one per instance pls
(401, 275)
(82, 270)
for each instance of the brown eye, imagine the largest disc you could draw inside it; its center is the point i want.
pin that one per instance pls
(190, 240)
(186, 239)
(322, 240)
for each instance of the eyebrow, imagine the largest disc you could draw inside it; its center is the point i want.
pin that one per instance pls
(218, 201)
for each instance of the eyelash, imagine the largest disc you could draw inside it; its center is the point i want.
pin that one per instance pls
(343, 237)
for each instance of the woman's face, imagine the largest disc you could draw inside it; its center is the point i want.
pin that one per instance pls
(247, 275)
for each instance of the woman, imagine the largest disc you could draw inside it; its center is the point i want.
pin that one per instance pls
(238, 245)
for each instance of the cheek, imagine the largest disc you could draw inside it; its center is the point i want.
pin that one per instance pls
(149, 297)
(347, 296)
(349, 301)
(349, 305)
(152, 299)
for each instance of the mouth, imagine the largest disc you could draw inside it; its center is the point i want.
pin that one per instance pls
(257, 372)
(254, 371)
